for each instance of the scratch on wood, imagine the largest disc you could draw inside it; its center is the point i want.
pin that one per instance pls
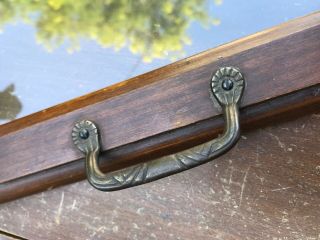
(281, 144)
(73, 207)
(57, 218)
(231, 173)
(42, 200)
(280, 189)
(243, 185)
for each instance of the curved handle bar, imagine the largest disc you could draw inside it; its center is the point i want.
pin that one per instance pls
(227, 86)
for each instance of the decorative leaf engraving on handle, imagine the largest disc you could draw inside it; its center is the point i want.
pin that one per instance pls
(227, 86)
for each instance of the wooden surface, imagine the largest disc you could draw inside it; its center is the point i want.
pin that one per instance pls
(149, 110)
(267, 187)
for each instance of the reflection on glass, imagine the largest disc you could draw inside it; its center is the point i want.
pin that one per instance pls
(10, 105)
(56, 50)
(152, 29)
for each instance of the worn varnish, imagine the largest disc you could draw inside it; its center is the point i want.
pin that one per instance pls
(267, 187)
(161, 111)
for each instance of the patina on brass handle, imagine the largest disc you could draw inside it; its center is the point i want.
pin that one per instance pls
(227, 86)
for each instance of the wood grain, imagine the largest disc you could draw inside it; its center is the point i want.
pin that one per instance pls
(267, 187)
(169, 100)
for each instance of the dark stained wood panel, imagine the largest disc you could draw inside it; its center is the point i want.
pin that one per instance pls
(267, 187)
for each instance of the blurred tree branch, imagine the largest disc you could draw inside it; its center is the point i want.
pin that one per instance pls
(151, 28)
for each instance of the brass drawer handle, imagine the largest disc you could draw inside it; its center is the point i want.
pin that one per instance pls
(227, 86)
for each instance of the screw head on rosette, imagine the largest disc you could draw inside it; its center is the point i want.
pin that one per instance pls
(227, 85)
(85, 136)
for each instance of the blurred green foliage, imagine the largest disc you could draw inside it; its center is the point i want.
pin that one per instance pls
(10, 105)
(151, 28)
